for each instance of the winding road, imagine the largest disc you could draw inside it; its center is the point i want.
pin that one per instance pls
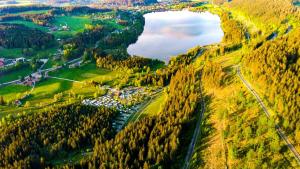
(196, 134)
(262, 105)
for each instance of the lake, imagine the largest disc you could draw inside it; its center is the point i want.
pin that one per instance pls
(171, 33)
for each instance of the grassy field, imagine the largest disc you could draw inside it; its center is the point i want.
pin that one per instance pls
(150, 107)
(12, 92)
(75, 23)
(15, 75)
(87, 72)
(155, 106)
(11, 53)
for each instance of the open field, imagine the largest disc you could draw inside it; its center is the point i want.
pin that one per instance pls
(87, 72)
(13, 91)
(15, 75)
(11, 53)
(155, 106)
(75, 23)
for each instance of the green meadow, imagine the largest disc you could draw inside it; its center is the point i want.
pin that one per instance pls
(11, 53)
(75, 23)
(87, 72)
(15, 75)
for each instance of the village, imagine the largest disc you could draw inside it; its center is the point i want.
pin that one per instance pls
(115, 99)
(4, 63)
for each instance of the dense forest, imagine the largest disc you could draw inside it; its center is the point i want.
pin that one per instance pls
(266, 12)
(162, 77)
(32, 140)
(279, 58)
(19, 36)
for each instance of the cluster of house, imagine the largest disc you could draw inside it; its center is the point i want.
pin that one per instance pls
(32, 79)
(59, 28)
(10, 62)
(110, 102)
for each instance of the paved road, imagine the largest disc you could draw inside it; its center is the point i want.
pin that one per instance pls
(262, 105)
(70, 80)
(196, 134)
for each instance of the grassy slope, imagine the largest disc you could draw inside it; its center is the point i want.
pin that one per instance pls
(75, 23)
(15, 75)
(86, 72)
(11, 53)
(155, 106)
(11, 92)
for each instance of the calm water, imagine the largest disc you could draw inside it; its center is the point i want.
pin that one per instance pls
(171, 33)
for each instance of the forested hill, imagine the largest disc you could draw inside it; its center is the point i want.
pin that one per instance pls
(267, 12)
(19, 36)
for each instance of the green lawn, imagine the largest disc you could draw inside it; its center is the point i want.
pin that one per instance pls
(11, 53)
(12, 92)
(156, 105)
(15, 75)
(75, 23)
(150, 107)
(87, 72)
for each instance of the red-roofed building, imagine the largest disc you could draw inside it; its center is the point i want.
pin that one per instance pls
(2, 62)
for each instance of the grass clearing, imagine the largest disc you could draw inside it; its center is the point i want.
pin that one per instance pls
(87, 72)
(12, 92)
(75, 23)
(11, 53)
(15, 75)
(156, 105)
